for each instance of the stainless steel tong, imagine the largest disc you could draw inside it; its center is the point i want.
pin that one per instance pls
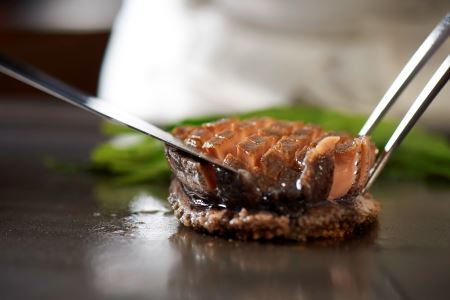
(438, 80)
(105, 109)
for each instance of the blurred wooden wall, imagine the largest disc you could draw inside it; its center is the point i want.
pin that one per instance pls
(75, 58)
(71, 54)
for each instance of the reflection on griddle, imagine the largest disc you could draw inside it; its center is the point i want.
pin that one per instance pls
(211, 267)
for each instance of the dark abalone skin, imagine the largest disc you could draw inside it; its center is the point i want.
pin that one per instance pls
(231, 190)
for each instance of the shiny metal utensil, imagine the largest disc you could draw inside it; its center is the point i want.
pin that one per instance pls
(95, 105)
(434, 40)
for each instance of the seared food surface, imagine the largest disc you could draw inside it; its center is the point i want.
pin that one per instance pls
(332, 221)
(284, 168)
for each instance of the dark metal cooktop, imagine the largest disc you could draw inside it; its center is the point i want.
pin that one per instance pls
(72, 236)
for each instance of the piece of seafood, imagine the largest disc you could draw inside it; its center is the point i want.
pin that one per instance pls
(295, 180)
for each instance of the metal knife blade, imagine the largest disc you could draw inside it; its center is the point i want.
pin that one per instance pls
(103, 108)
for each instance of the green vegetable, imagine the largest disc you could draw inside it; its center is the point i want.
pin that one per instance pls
(421, 156)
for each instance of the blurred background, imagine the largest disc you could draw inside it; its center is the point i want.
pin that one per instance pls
(65, 38)
(167, 60)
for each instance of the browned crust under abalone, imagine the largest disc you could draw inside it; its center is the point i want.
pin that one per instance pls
(334, 220)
